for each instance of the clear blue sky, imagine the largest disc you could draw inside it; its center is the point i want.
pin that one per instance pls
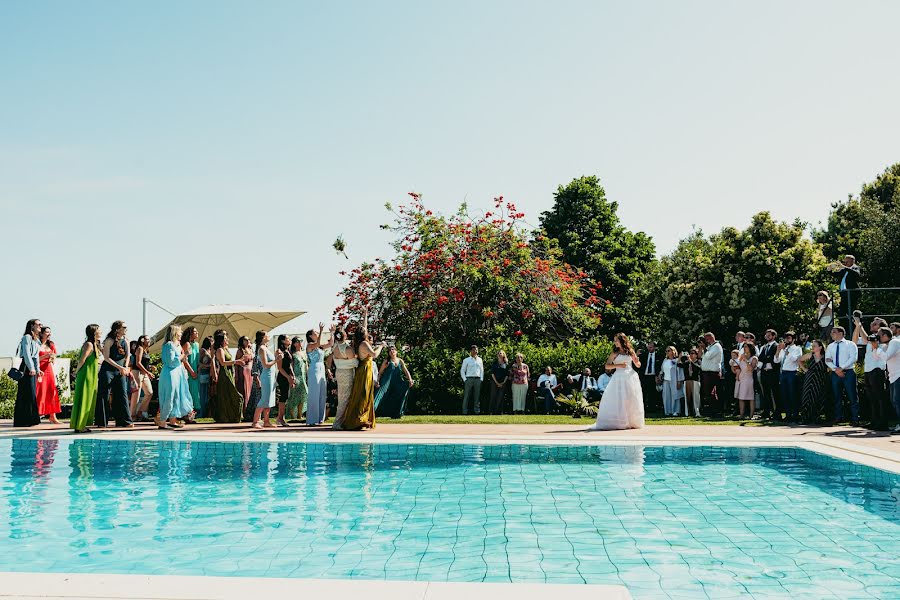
(136, 137)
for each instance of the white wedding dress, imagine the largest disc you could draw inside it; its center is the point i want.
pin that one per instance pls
(622, 404)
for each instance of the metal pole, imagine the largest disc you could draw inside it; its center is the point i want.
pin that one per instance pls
(144, 328)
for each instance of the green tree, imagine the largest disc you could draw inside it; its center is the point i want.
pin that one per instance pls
(586, 226)
(764, 276)
(866, 226)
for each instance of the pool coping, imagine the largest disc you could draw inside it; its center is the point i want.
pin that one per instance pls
(836, 448)
(48, 586)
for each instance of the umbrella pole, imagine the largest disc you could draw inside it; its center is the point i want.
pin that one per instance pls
(146, 301)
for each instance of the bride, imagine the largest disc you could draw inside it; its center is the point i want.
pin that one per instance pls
(622, 405)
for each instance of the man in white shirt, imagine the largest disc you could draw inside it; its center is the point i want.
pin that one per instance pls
(547, 386)
(840, 356)
(890, 354)
(711, 376)
(788, 356)
(472, 373)
(874, 367)
(603, 381)
(585, 384)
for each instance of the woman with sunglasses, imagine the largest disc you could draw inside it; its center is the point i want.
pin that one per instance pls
(114, 377)
(26, 410)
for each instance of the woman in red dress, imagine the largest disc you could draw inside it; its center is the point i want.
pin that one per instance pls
(47, 395)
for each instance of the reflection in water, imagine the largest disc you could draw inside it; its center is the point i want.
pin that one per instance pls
(28, 493)
(424, 511)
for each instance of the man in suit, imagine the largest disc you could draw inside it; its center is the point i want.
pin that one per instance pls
(651, 361)
(585, 384)
(847, 275)
(768, 376)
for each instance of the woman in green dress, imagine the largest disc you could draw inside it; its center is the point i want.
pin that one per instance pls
(227, 405)
(190, 349)
(298, 394)
(393, 384)
(85, 394)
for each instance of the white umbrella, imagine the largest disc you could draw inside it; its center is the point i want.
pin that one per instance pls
(236, 319)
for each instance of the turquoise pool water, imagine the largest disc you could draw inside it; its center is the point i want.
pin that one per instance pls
(667, 522)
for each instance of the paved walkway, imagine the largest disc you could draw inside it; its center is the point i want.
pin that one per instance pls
(879, 445)
(73, 586)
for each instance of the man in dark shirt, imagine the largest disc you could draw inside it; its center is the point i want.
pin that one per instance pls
(768, 376)
(651, 361)
(847, 275)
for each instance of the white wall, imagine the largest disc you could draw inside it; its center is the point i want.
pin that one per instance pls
(60, 365)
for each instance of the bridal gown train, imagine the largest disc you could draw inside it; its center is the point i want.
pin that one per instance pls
(622, 405)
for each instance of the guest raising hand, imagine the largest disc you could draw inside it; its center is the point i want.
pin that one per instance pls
(318, 387)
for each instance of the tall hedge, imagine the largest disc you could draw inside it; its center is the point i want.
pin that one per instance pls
(439, 388)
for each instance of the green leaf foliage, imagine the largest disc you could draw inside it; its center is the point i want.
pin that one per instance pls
(586, 226)
(867, 227)
(439, 389)
(764, 276)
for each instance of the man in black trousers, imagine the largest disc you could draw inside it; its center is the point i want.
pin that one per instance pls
(847, 275)
(769, 376)
(651, 361)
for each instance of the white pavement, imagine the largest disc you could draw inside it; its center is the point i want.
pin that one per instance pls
(163, 587)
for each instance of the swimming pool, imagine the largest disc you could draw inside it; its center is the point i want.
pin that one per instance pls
(667, 522)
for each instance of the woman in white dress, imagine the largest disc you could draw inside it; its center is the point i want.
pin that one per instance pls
(622, 406)
(345, 363)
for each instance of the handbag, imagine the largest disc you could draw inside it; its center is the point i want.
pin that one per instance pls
(15, 372)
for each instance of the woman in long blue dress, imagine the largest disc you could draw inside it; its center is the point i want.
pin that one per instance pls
(190, 348)
(175, 399)
(393, 385)
(266, 381)
(318, 387)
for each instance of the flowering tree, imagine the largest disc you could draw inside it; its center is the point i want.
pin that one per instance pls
(458, 280)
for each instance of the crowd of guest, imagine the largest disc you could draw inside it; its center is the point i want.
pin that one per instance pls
(115, 380)
(793, 378)
(790, 378)
(796, 378)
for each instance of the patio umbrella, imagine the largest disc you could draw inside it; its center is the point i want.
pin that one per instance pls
(237, 320)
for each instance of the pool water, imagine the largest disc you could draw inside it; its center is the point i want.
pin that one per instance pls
(667, 522)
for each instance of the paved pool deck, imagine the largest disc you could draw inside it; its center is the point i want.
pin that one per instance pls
(878, 449)
(71, 586)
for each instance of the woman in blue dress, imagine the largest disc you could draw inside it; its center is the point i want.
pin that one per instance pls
(268, 363)
(175, 399)
(393, 385)
(318, 387)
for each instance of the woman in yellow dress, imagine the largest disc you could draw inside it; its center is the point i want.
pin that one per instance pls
(360, 411)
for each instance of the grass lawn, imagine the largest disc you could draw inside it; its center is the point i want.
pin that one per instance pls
(539, 420)
(552, 420)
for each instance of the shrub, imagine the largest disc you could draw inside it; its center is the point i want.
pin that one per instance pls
(8, 389)
(439, 389)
